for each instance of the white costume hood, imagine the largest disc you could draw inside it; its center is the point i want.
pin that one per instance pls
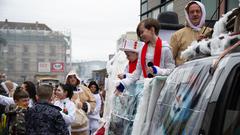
(202, 21)
(73, 72)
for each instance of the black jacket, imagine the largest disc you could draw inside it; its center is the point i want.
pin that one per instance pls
(45, 119)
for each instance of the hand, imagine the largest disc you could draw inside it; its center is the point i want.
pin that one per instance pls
(121, 76)
(117, 93)
(79, 105)
(201, 36)
(120, 87)
(150, 70)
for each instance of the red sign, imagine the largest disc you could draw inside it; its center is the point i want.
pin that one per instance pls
(57, 67)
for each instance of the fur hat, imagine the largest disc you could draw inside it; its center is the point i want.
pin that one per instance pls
(169, 20)
(130, 45)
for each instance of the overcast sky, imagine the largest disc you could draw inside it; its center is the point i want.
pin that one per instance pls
(95, 25)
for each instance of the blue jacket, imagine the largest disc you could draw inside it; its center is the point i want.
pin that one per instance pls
(45, 119)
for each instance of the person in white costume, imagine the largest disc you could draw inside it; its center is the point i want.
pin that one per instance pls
(155, 57)
(94, 116)
(124, 108)
(64, 93)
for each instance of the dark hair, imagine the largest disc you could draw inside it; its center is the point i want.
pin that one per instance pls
(68, 88)
(31, 89)
(19, 93)
(94, 83)
(190, 4)
(148, 24)
(44, 92)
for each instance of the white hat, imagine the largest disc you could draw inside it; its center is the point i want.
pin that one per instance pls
(130, 45)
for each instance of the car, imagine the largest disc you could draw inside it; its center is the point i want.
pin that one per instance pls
(48, 81)
(200, 97)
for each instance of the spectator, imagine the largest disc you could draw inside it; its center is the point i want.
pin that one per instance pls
(130, 48)
(64, 94)
(16, 112)
(44, 118)
(94, 116)
(83, 99)
(31, 89)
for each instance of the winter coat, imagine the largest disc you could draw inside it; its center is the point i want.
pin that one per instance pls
(183, 38)
(69, 117)
(84, 94)
(87, 99)
(15, 120)
(45, 119)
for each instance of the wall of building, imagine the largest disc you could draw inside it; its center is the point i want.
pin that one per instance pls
(178, 7)
(85, 68)
(26, 48)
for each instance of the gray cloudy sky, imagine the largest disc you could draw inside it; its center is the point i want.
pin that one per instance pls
(95, 25)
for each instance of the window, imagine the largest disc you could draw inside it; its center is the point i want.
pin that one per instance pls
(40, 50)
(232, 114)
(52, 50)
(144, 17)
(25, 49)
(167, 7)
(11, 67)
(11, 50)
(144, 8)
(155, 13)
(52, 60)
(149, 14)
(40, 60)
(210, 6)
(226, 118)
(143, 1)
(25, 60)
(232, 4)
(25, 67)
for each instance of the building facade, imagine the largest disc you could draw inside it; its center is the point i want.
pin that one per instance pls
(151, 8)
(32, 49)
(85, 68)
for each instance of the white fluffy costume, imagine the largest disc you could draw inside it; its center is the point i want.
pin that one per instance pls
(85, 96)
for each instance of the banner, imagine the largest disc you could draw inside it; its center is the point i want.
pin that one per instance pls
(44, 67)
(57, 67)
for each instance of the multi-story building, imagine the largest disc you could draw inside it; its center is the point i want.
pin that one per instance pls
(85, 68)
(33, 49)
(151, 8)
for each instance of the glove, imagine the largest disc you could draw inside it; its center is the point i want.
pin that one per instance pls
(85, 107)
(120, 87)
(150, 64)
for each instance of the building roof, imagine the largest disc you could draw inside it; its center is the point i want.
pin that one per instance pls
(20, 25)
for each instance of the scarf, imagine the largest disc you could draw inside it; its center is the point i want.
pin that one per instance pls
(132, 66)
(156, 58)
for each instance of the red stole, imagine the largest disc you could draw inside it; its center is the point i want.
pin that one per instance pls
(132, 66)
(156, 58)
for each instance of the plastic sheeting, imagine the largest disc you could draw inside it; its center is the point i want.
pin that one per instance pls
(124, 110)
(114, 67)
(183, 100)
(151, 91)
